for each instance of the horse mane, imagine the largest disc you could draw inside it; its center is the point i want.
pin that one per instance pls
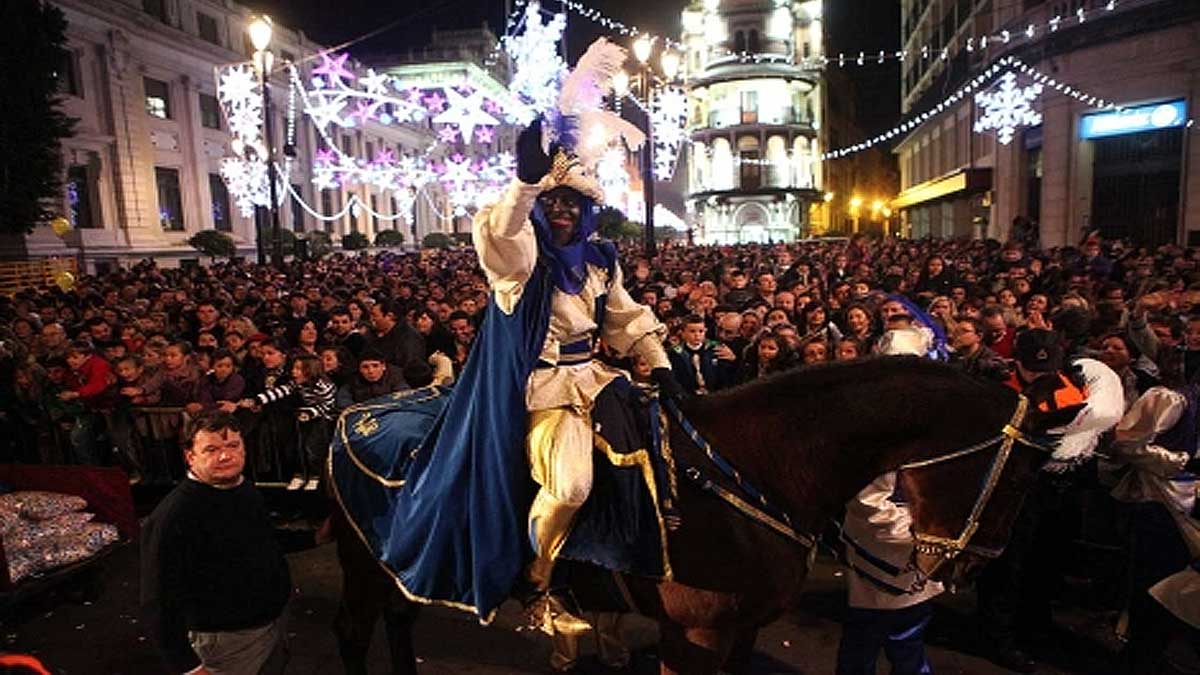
(819, 381)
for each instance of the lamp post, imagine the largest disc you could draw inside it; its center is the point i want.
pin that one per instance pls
(641, 50)
(260, 30)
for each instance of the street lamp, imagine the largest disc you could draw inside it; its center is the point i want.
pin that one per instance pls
(641, 50)
(260, 30)
(856, 203)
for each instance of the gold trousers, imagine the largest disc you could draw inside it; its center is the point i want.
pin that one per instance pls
(560, 459)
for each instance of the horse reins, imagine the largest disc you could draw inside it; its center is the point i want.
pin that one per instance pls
(947, 548)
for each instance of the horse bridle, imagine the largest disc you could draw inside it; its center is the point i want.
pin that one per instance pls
(947, 548)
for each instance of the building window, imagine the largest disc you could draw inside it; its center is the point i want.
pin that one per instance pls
(327, 208)
(79, 197)
(156, 9)
(210, 112)
(207, 27)
(170, 199)
(753, 43)
(158, 98)
(749, 107)
(297, 209)
(68, 74)
(739, 42)
(375, 213)
(222, 217)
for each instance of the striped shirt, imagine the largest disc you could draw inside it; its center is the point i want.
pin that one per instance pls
(317, 398)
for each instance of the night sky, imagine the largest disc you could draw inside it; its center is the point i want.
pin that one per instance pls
(851, 25)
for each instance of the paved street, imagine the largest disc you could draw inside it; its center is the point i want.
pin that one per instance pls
(105, 638)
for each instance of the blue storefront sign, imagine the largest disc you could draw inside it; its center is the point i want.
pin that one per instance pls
(1150, 117)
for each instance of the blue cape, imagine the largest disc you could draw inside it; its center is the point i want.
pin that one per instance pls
(446, 512)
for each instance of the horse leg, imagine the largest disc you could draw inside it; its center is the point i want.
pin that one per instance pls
(365, 590)
(692, 651)
(742, 652)
(354, 624)
(398, 618)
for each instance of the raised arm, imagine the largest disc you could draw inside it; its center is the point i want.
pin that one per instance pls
(502, 233)
(505, 243)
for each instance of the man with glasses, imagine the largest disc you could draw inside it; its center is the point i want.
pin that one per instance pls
(970, 355)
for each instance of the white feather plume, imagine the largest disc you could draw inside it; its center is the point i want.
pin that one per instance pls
(591, 80)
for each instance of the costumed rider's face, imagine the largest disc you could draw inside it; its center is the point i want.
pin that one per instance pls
(562, 207)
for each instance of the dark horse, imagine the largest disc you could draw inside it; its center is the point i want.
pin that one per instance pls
(811, 439)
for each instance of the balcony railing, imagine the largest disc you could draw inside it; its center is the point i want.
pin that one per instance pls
(731, 117)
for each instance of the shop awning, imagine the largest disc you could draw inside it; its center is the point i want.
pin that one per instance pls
(961, 181)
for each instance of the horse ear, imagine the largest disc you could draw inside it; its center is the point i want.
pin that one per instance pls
(1042, 421)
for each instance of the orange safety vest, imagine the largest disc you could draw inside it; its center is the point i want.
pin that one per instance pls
(1068, 394)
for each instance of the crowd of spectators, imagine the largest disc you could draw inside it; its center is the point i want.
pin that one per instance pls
(110, 371)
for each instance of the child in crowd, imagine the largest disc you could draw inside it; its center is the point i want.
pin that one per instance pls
(179, 375)
(92, 386)
(222, 384)
(314, 413)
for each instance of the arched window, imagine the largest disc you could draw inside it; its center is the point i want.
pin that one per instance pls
(739, 42)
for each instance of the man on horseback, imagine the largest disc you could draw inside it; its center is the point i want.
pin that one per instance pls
(545, 221)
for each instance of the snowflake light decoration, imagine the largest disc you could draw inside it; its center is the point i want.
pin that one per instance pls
(613, 177)
(538, 68)
(667, 118)
(1008, 108)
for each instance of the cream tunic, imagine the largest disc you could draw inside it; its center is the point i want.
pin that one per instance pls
(879, 538)
(507, 248)
(1156, 473)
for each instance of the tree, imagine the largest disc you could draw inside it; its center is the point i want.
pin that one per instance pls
(388, 238)
(32, 125)
(437, 240)
(286, 237)
(612, 224)
(319, 244)
(213, 244)
(353, 241)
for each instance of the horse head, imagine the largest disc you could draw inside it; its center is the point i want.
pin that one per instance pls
(965, 503)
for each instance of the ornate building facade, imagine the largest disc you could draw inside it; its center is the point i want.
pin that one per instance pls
(142, 171)
(755, 95)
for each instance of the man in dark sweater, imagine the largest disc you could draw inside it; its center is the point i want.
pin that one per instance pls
(396, 340)
(214, 579)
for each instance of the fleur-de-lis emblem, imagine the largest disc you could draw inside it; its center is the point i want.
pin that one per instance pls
(366, 425)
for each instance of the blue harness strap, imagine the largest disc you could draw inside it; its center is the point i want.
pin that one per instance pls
(757, 506)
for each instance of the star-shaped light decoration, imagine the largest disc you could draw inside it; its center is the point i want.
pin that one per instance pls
(374, 83)
(465, 111)
(485, 135)
(385, 157)
(334, 68)
(434, 103)
(1008, 108)
(448, 134)
(327, 111)
(325, 156)
(364, 111)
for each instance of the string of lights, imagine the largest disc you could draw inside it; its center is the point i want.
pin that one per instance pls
(1000, 67)
(864, 57)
